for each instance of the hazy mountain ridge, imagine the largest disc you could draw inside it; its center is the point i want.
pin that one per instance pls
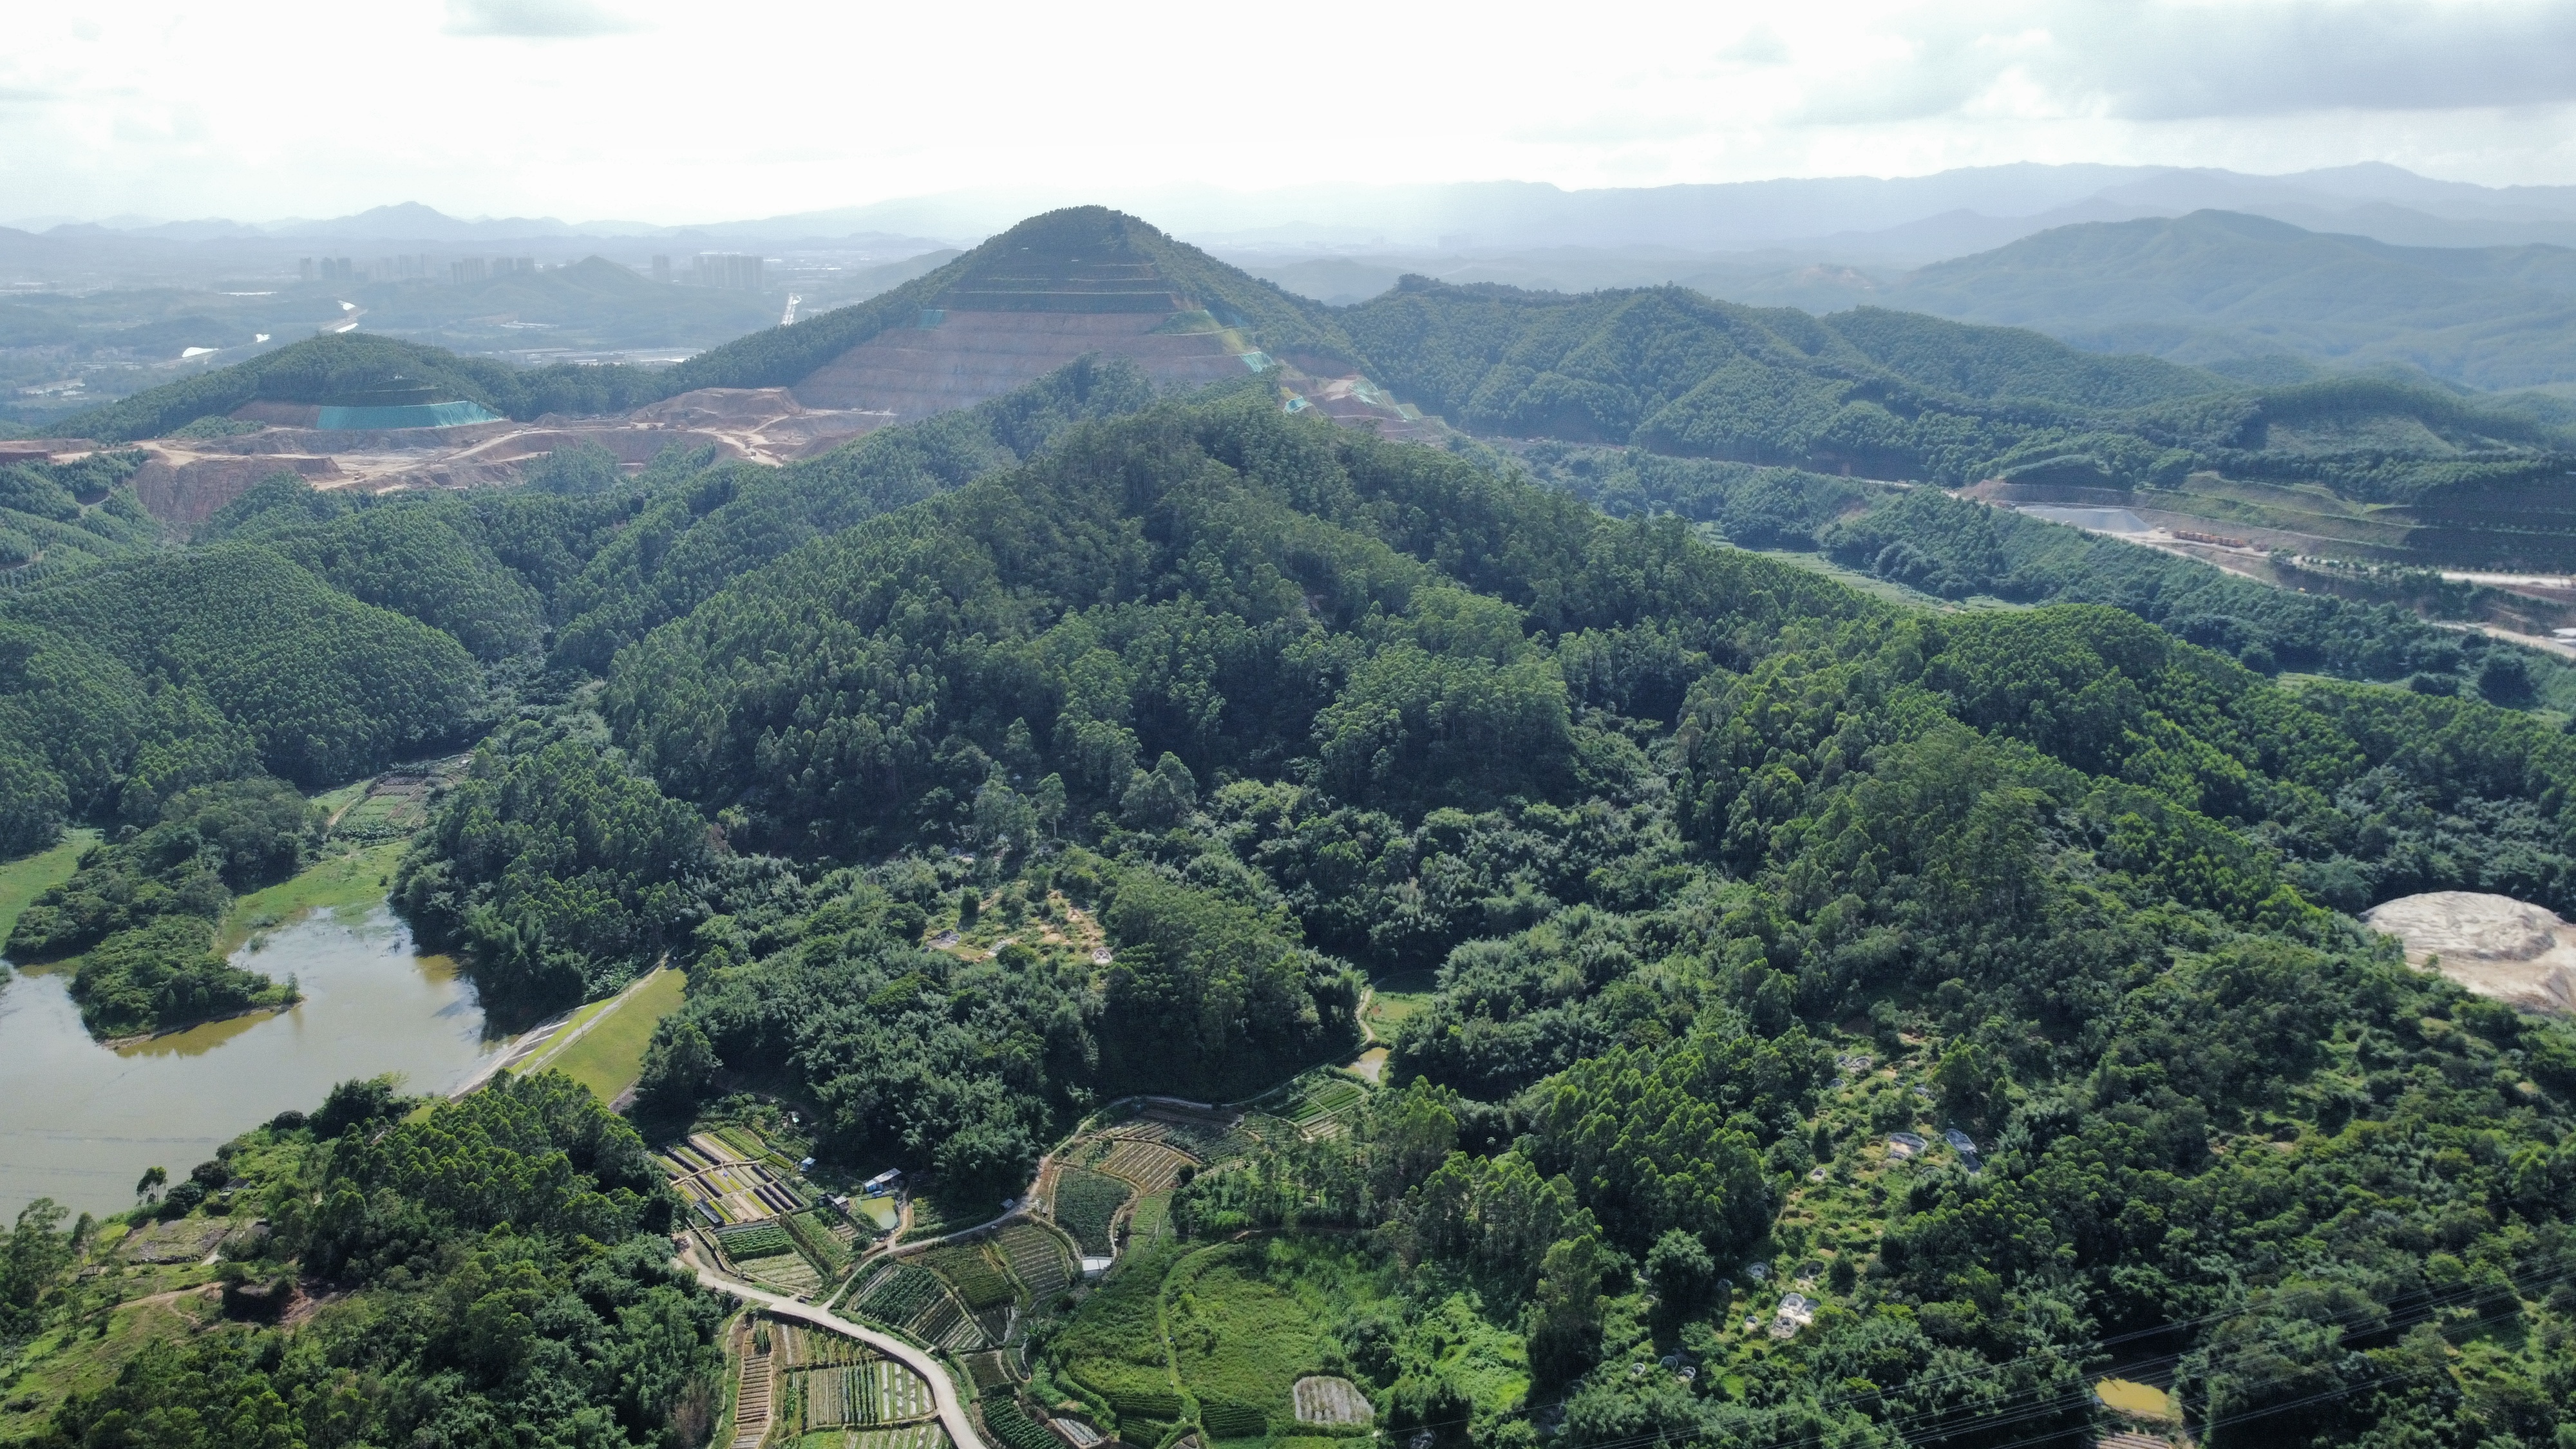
(2218, 286)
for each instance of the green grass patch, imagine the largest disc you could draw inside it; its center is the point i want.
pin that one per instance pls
(1399, 996)
(352, 881)
(1085, 1203)
(1152, 1222)
(1114, 1345)
(64, 1361)
(29, 876)
(336, 802)
(609, 1057)
(1247, 1320)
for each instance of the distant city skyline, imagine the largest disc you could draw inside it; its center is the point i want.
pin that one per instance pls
(638, 109)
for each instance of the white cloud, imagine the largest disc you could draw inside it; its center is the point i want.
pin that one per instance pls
(680, 113)
(534, 19)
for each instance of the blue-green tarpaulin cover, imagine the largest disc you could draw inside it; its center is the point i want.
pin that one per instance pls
(415, 415)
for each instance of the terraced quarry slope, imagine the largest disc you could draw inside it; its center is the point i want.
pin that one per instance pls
(1084, 280)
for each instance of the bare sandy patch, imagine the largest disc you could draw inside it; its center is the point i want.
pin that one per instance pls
(2493, 945)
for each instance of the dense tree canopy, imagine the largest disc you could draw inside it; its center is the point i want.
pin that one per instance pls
(138, 916)
(498, 1279)
(1097, 745)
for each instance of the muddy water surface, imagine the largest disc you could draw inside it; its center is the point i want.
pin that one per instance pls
(79, 1123)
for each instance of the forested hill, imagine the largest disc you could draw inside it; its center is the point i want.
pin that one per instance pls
(2361, 466)
(334, 367)
(2222, 288)
(1137, 735)
(1901, 395)
(1688, 834)
(320, 636)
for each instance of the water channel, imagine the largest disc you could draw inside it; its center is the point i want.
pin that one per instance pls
(79, 1123)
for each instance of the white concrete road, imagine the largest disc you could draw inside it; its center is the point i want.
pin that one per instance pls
(943, 1391)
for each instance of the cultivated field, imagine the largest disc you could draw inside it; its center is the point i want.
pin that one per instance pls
(1085, 1204)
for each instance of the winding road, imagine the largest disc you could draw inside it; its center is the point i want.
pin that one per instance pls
(943, 1390)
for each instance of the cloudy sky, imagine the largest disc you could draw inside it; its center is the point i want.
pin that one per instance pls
(660, 110)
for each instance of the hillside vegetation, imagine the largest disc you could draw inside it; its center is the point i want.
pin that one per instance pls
(1091, 744)
(1929, 542)
(2398, 469)
(488, 1270)
(137, 919)
(2218, 288)
(1681, 827)
(60, 516)
(1898, 395)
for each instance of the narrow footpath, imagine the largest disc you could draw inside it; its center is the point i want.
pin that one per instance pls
(943, 1391)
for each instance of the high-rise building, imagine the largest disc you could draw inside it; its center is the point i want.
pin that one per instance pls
(468, 269)
(661, 269)
(729, 271)
(304, 269)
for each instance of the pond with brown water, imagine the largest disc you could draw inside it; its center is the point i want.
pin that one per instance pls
(79, 1122)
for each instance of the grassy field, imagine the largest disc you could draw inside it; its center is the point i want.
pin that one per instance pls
(1236, 1324)
(1247, 1320)
(25, 878)
(1085, 1201)
(60, 1368)
(1396, 997)
(1114, 1347)
(609, 1056)
(353, 881)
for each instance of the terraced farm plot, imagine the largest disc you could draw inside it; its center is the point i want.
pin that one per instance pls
(1114, 1346)
(1014, 1428)
(877, 1392)
(898, 1295)
(765, 1240)
(1151, 1166)
(896, 1393)
(1204, 1139)
(990, 1370)
(1085, 1203)
(911, 1436)
(994, 1325)
(790, 1275)
(1037, 1259)
(1320, 1101)
(1226, 1419)
(820, 1245)
(803, 1347)
(939, 1320)
(979, 1284)
(1151, 1222)
(713, 1151)
(739, 1192)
